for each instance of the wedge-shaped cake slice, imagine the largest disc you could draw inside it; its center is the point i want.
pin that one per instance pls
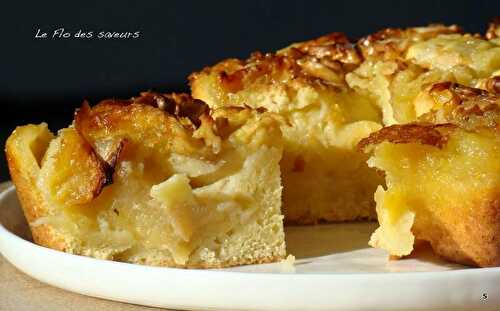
(154, 180)
(443, 178)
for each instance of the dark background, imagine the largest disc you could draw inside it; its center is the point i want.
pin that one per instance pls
(45, 79)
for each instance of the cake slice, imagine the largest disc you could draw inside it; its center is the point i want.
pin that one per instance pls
(155, 180)
(443, 178)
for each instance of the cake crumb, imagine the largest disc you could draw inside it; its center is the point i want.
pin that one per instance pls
(287, 265)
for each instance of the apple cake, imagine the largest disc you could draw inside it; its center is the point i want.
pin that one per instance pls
(156, 180)
(443, 178)
(331, 93)
(165, 179)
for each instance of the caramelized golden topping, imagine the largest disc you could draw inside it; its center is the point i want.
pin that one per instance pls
(467, 107)
(455, 106)
(422, 133)
(233, 78)
(392, 43)
(332, 47)
(180, 105)
(150, 109)
(324, 60)
(188, 111)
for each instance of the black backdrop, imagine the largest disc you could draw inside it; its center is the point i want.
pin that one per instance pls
(45, 79)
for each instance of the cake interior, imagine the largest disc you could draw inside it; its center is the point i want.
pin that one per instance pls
(324, 177)
(321, 167)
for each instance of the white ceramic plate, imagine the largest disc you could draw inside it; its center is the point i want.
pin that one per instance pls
(335, 270)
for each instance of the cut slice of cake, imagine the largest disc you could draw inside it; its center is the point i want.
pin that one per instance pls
(443, 178)
(155, 180)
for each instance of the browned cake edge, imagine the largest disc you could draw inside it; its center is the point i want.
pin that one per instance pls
(31, 199)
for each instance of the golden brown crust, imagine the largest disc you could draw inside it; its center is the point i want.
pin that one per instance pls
(242, 262)
(235, 75)
(181, 106)
(23, 173)
(466, 107)
(459, 95)
(184, 123)
(471, 237)
(112, 124)
(322, 61)
(391, 43)
(454, 105)
(421, 133)
(334, 47)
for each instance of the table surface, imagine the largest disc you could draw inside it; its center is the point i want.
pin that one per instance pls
(20, 292)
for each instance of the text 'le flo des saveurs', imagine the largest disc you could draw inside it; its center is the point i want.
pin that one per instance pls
(61, 33)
